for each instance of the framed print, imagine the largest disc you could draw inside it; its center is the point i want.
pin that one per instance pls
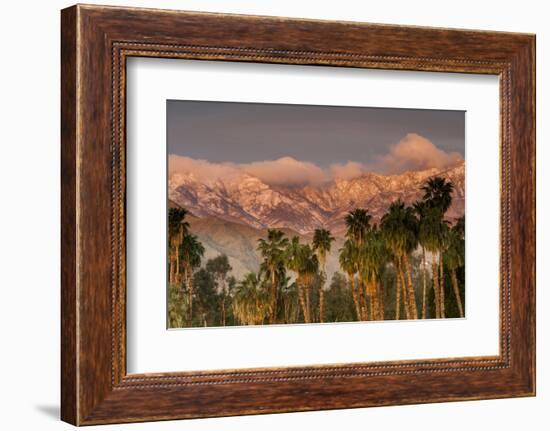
(268, 215)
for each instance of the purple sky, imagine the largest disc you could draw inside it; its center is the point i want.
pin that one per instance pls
(379, 139)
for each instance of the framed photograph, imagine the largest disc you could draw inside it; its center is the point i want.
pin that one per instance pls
(266, 215)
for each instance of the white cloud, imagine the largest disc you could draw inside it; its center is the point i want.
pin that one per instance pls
(412, 153)
(202, 169)
(285, 171)
(347, 171)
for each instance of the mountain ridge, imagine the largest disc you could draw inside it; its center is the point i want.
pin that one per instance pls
(247, 200)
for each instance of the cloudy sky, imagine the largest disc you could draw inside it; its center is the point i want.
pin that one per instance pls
(300, 144)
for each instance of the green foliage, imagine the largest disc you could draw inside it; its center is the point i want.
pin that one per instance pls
(400, 228)
(358, 224)
(338, 301)
(437, 193)
(191, 251)
(373, 255)
(177, 307)
(176, 220)
(322, 243)
(206, 299)
(251, 304)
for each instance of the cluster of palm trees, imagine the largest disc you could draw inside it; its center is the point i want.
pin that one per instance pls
(379, 260)
(185, 253)
(370, 248)
(306, 261)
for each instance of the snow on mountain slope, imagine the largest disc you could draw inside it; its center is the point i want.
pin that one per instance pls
(247, 200)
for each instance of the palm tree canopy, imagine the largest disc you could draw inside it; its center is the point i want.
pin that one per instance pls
(460, 226)
(455, 252)
(272, 248)
(400, 228)
(191, 251)
(437, 193)
(373, 255)
(310, 262)
(251, 300)
(176, 220)
(292, 254)
(433, 229)
(322, 241)
(301, 258)
(358, 224)
(347, 257)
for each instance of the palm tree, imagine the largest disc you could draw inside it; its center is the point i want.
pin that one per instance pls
(437, 193)
(301, 259)
(358, 225)
(272, 251)
(220, 267)
(433, 233)
(251, 301)
(322, 240)
(373, 256)
(420, 208)
(289, 302)
(454, 258)
(400, 232)
(438, 198)
(308, 273)
(348, 263)
(191, 252)
(294, 263)
(177, 229)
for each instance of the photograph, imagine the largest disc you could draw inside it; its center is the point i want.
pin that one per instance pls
(301, 214)
(305, 215)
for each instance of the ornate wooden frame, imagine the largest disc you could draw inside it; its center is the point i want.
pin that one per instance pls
(95, 42)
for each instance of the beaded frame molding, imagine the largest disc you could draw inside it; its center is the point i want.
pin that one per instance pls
(95, 43)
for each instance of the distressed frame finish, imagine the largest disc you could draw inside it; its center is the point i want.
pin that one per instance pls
(95, 42)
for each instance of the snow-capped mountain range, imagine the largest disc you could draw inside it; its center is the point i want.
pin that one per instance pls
(247, 200)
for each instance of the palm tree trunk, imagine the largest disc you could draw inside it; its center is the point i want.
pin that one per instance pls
(224, 297)
(321, 300)
(177, 268)
(363, 299)
(379, 299)
(273, 310)
(171, 267)
(366, 298)
(397, 291)
(223, 310)
(435, 279)
(424, 288)
(410, 289)
(301, 297)
(189, 274)
(354, 295)
(457, 293)
(375, 301)
(308, 299)
(370, 300)
(176, 252)
(441, 286)
(406, 298)
(321, 296)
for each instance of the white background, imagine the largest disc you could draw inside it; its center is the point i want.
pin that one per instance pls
(29, 220)
(151, 348)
